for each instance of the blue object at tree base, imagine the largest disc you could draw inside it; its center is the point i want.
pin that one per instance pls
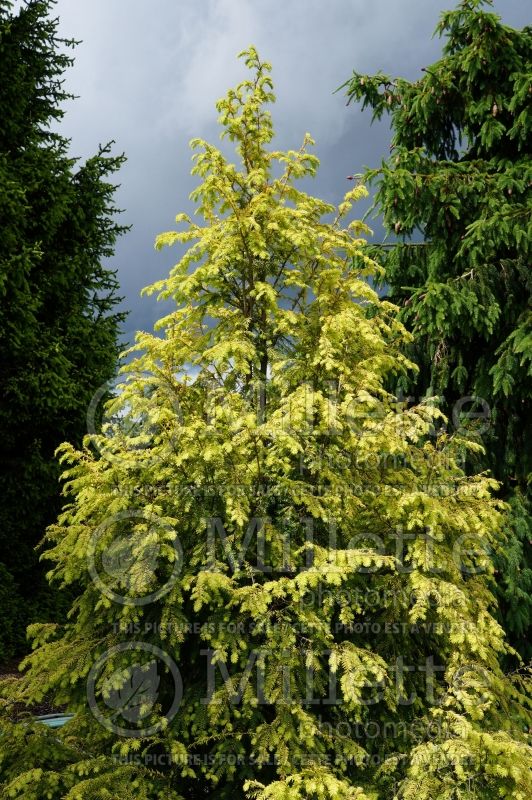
(54, 720)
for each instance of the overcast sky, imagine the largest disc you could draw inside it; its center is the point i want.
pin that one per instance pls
(148, 73)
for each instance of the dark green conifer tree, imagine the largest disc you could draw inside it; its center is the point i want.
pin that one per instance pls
(58, 322)
(455, 198)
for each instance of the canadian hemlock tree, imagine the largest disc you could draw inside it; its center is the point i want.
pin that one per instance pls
(321, 574)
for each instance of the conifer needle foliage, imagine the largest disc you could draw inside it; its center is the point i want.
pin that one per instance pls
(59, 326)
(455, 198)
(321, 571)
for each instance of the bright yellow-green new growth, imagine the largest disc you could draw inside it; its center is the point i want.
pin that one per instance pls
(334, 579)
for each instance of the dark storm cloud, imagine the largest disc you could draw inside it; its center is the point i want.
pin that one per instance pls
(148, 75)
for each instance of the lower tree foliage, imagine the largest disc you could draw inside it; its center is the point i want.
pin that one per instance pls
(265, 537)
